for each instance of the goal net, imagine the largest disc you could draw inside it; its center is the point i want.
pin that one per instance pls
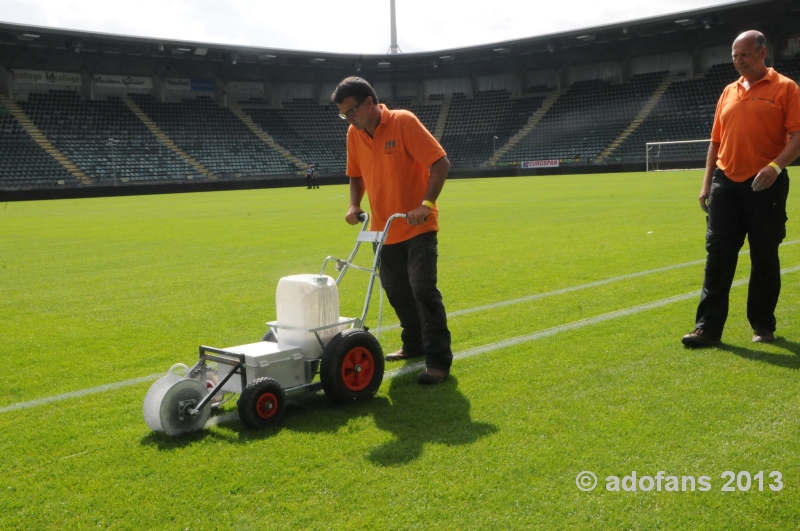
(677, 155)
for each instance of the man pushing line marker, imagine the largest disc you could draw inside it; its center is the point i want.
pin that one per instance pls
(401, 166)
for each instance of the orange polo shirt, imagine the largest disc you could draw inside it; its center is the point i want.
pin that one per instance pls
(752, 126)
(395, 168)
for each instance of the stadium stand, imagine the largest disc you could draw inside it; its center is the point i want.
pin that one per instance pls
(23, 162)
(313, 132)
(215, 137)
(584, 120)
(790, 68)
(685, 112)
(316, 134)
(427, 114)
(79, 128)
(472, 124)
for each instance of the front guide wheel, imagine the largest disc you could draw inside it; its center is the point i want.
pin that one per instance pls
(167, 404)
(352, 366)
(262, 403)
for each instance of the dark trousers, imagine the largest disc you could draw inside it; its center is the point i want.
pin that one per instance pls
(735, 210)
(408, 274)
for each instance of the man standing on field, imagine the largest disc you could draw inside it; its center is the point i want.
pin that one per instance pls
(755, 136)
(394, 159)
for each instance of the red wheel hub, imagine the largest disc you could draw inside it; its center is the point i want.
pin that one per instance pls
(358, 368)
(267, 405)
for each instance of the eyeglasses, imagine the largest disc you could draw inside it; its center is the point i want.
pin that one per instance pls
(351, 112)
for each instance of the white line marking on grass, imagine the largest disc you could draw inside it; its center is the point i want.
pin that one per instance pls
(565, 327)
(134, 381)
(81, 392)
(561, 291)
(230, 416)
(74, 455)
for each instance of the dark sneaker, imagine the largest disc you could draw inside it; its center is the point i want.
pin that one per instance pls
(401, 355)
(699, 338)
(763, 336)
(431, 377)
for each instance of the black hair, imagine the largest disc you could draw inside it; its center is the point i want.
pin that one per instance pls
(356, 87)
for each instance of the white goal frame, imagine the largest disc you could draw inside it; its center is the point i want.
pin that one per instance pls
(649, 146)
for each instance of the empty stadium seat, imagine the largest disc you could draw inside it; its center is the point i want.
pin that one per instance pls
(585, 120)
(684, 112)
(80, 128)
(215, 137)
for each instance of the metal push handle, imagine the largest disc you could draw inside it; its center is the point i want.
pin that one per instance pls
(378, 247)
(344, 265)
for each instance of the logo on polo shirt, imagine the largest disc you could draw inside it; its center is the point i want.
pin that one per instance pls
(390, 144)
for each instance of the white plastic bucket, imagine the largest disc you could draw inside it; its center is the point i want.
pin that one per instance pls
(307, 301)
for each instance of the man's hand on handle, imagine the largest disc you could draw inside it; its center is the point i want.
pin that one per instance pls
(418, 216)
(352, 215)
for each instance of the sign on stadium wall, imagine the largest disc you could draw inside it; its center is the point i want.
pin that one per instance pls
(202, 85)
(790, 45)
(174, 83)
(245, 87)
(130, 82)
(46, 78)
(540, 163)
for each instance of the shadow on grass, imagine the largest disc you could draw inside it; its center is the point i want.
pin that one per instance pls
(414, 414)
(424, 414)
(791, 361)
(166, 443)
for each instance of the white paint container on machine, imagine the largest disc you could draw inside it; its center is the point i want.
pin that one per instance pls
(307, 301)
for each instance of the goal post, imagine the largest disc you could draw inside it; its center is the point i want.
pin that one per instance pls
(676, 155)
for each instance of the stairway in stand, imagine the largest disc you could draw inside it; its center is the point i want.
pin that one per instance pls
(42, 140)
(164, 139)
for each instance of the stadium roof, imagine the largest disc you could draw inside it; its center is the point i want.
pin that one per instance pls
(20, 44)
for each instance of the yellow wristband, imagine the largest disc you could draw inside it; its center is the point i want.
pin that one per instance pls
(777, 168)
(428, 204)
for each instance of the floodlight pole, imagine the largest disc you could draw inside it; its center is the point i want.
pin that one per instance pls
(393, 48)
(112, 142)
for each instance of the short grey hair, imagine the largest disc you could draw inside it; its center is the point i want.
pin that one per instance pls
(761, 41)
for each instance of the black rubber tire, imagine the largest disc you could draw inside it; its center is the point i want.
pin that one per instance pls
(270, 336)
(262, 403)
(352, 366)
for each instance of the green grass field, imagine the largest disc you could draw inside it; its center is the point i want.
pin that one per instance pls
(98, 291)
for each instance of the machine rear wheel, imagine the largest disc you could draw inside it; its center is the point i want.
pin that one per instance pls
(262, 403)
(352, 366)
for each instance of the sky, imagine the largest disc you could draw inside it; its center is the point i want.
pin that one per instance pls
(326, 26)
